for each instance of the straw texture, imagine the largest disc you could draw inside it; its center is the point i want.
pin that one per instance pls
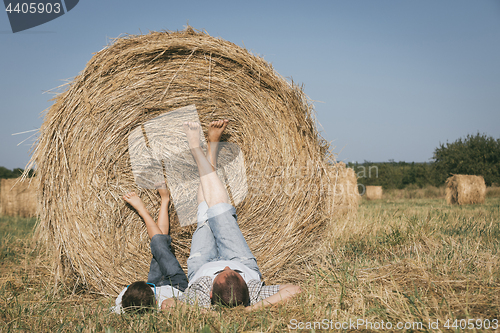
(373, 192)
(83, 162)
(18, 197)
(465, 189)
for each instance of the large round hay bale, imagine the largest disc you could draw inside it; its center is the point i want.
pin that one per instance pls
(465, 189)
(83, 163)
(18, 197)
(373, 192)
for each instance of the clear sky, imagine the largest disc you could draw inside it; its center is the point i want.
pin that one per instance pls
(389, 79)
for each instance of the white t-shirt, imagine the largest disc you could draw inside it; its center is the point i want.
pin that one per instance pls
(210, 268)
(162, 293)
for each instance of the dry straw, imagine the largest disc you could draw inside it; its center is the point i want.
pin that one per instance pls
(465, 189)
(373, 192)
(83, 163)
(18, 197)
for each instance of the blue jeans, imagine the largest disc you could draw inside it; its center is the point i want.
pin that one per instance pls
(218, 237)
(165, 268)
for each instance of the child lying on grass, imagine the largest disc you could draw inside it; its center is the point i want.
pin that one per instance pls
(166, 279)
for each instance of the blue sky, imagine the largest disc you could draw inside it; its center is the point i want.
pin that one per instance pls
(390, 79)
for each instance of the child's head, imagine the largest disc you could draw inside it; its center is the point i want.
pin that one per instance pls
(138, 297)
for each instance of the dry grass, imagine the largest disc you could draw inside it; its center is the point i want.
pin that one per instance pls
(402, 261)
(493, 191)
(83, 162)
(414, 192)
(465, 189)
(420, 257)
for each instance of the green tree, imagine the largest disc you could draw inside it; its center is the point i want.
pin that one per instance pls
(474, 155)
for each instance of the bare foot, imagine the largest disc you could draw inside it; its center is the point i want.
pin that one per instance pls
(192, 130)
(133, 200)
(163, 190)
(215, 129)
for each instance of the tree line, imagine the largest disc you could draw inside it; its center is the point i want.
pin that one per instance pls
(14, 173)
(473, 155)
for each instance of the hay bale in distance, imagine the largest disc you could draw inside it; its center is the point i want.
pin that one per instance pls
(83, 163)
(373, 192)
(18, 197)
(465, 189)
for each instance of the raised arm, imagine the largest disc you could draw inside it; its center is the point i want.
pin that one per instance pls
(286, 292)
(133, 199)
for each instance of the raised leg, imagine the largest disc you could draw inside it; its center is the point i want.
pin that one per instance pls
(215, 130)
(163, 220)
(203, 246)
(213, 190)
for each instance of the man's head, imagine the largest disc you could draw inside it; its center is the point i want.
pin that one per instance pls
(138, 297)
(229, 289)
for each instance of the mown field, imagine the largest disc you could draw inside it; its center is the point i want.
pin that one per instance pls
(400, 265)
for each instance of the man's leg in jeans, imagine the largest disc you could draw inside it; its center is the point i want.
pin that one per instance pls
(203, 246)
(230, 242)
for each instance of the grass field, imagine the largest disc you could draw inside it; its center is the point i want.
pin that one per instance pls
(414, 264)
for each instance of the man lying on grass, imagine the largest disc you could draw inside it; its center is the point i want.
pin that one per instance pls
(166, 278)
(221, 267)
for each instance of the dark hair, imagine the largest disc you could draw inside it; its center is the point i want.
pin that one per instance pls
(232, 292)
(139, 297)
